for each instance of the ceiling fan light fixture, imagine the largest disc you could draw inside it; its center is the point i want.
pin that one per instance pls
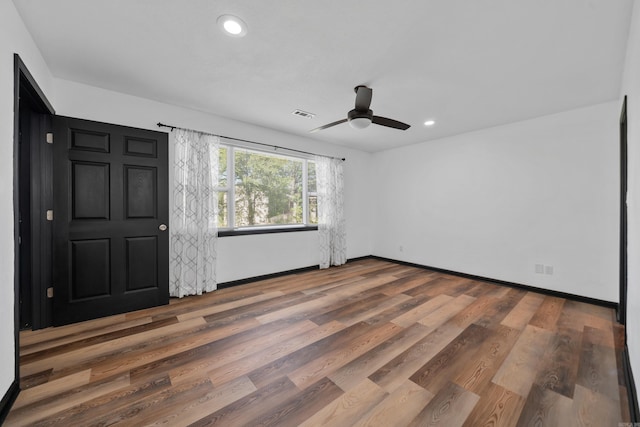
(232, 25)
(362, 116)
(359, 122)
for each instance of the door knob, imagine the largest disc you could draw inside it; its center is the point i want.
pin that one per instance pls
(163, 227)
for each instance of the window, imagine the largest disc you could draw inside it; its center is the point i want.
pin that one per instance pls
(260, 190)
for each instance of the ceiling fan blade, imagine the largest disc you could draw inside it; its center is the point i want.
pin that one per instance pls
(328, 125)
(390, 123)
(363, 98)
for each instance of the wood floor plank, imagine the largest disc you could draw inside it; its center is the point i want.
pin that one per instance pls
(322, 305)
(594, 409)
(212, 401)
(446, 312)
(331, 361)
(111, 402)
(450, 407)
(406, 283)
(477, 373)
(439, 370)
(50, 407)
(75, 357)
(409, 397)
(397, 310)
(156, 406)
(302, 406)
(472, 312)
(519, 369)
(277, 351)
(220, 353)
(349, 375)
(81, 343)
(34, 344)
(252, 311)
(401, 367)
(438, 285)
(207, 311)
(36, 379)
(265, 374)
(522, 313)
(596, 360)
(418, 313)
(349, 308)
(136, 359)
(52, 388)
(347, 409)
(545, 407)
(28, 338)
(559, 367)
(365, 314)
(371, 342)
(497, 407)
(548, 313)
(231, 335)
(499, 308)
(242, 411)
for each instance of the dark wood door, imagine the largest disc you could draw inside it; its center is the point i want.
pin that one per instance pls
(110, 243)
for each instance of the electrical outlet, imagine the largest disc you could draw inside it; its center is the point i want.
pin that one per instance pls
(539, 269)
(401, 248)
(548, 269)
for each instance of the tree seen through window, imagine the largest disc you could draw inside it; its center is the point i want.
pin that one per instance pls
(267, 189)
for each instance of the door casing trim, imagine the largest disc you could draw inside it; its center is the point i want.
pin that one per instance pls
(23, 80)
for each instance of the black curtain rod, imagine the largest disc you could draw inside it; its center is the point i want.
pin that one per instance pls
(162, 125)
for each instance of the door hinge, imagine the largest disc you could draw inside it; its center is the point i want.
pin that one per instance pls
(49, 138)
(49, 215)
(50, 292)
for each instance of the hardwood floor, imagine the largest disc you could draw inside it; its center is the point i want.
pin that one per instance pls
(370, 343)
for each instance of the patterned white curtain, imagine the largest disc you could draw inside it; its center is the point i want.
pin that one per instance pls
(331, 222)
(192, 263)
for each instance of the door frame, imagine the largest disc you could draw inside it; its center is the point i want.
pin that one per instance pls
(622, 306)
(26, 87)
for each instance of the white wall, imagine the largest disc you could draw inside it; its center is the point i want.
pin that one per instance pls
(496, 202)
(239, 257)
(631, 88)
(14, 38)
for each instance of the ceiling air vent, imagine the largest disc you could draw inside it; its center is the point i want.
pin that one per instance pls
(304, 114)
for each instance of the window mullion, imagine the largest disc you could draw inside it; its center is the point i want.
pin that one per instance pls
(305, 197)
(231, 182)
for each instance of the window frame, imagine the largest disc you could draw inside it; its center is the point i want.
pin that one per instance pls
(231, 229)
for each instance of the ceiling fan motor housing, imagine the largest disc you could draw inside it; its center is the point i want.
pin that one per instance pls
(355, 114)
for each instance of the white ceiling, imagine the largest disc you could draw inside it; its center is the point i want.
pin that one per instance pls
(469, 64)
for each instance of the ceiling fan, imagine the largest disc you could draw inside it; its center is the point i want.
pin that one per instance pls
(361, 116)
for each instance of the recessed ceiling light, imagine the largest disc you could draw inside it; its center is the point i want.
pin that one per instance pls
(232, 25)
(430, 123)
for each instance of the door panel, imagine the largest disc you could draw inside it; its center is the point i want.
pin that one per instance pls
(110, 197)
(141, 263)
(141, 190)
(90, 193)
(90, 274)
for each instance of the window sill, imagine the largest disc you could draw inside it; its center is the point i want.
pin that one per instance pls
(265, 230)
